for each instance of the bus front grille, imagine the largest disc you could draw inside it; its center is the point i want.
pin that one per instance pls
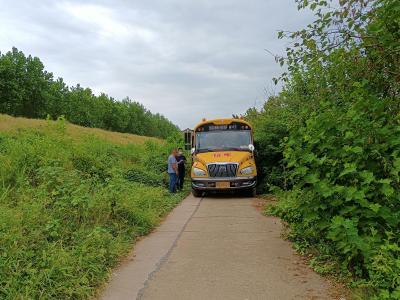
(222, 170)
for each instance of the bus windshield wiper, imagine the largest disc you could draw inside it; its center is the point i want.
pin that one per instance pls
(205, 150)
(237, 149)
(222, 149)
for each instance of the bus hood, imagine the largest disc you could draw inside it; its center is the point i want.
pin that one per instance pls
(223, 156)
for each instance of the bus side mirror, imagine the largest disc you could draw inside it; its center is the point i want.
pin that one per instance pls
(192, 151)
(251, 147)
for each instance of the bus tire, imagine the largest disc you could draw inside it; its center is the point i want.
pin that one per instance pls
(252, 192)
(196, 193)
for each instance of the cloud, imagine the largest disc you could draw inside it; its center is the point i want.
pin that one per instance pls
(106, 22)
(184, 59)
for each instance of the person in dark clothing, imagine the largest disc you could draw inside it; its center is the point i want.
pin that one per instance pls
(181, 160)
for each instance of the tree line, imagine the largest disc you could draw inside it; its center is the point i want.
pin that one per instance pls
(329, 142)
(28, 90)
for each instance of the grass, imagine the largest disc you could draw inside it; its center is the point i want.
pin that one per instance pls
(13, 124)
(72, 203)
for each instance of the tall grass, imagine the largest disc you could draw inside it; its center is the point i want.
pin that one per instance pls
(70, 208)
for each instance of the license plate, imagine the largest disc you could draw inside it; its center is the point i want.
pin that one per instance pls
(223, 185)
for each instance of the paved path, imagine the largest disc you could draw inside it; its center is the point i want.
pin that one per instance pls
(216, 248)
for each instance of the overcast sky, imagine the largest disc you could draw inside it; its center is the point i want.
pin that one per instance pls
(184, 59)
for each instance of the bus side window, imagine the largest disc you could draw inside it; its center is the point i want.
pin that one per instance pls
(188, 138)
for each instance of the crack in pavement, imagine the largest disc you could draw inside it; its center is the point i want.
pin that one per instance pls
(164, 259)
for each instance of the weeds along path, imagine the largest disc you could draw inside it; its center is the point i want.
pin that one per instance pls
(216, 248)
(72, 203)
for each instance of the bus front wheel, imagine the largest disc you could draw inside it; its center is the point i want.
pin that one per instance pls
(252, 192)
(196, 193)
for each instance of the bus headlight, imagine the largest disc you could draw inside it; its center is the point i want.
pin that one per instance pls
(247, 171)
(199, 172)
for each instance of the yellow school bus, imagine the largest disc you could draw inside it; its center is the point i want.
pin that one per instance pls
(223, 157)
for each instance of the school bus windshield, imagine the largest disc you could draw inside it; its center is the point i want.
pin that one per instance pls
(223, 140)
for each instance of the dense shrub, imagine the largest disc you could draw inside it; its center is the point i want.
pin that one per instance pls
(270, 127)
(145, 177)
(337, 142)
(68, 213)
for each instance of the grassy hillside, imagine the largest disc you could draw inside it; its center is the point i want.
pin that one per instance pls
(12, 124)
(72, 202)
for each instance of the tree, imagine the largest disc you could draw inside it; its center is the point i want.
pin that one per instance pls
(28, 90)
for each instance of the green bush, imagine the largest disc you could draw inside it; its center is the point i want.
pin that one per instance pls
(270, 127)
(68, 212)
(333, 135)
(145, 177)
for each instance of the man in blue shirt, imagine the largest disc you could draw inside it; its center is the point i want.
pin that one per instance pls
(172, 171)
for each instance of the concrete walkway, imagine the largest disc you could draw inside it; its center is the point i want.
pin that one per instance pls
(216, 248)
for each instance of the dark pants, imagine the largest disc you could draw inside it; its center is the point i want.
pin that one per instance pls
(181, 179)
(173, 178)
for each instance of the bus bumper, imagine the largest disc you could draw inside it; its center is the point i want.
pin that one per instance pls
(230, 183)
